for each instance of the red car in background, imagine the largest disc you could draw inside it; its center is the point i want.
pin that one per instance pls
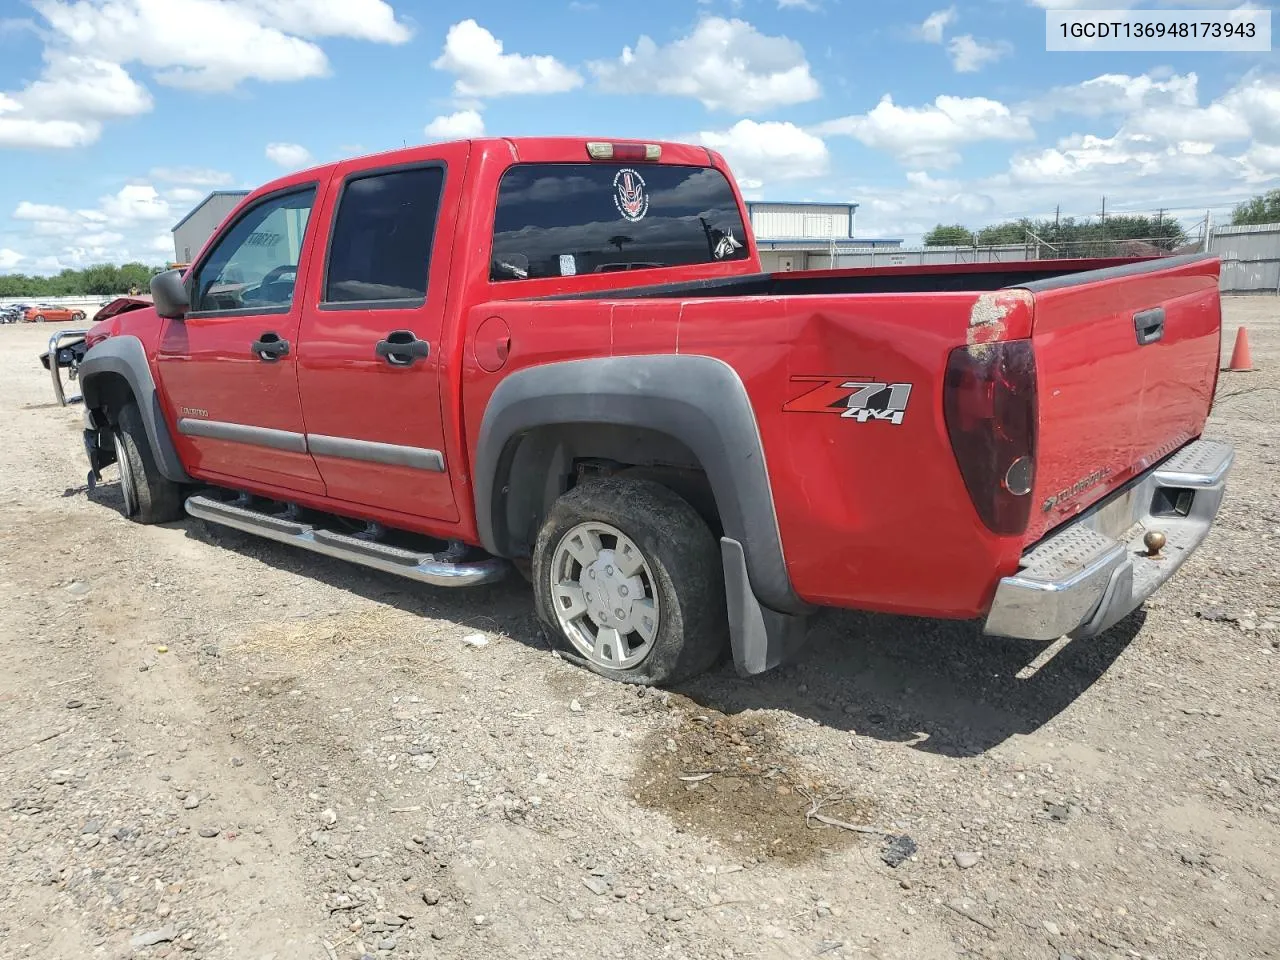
(47, 311)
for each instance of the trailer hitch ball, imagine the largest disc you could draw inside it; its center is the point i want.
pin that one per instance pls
(1154, 541)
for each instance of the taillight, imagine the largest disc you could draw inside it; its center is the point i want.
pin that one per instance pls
(990, 406)
(597, 150)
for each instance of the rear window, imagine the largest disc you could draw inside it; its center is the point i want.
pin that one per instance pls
(564, 219)
(381, 246)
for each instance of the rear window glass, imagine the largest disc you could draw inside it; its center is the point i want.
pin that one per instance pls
(564, 219)
(381, 247)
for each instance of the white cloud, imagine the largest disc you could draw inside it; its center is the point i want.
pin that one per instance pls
(475, 56)
(929, 136)
(217, 44)
(193, 176)
(210, 45)
(1124, 4)
(456, 126)
(372, 20)
(121, 227)
(935, 25)
(9, 258)
(1116, 94)
(1218, 122)
(43, 212)
(185, 195)
(1262, 161)
(106, 238)
(135, 202)
(65, 106)
(724, 64)
(969, 55)
(291, 156)
(768, 151)
(198, 44)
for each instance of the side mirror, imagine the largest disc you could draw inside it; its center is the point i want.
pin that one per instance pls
(170, 295)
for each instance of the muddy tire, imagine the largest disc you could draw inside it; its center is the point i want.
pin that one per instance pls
(628, 582)
(149, 496)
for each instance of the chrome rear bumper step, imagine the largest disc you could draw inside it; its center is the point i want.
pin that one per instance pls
(1090, 574)
(423, 567)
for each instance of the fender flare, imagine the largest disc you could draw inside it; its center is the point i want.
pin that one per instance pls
(699, 401)
(126, 357)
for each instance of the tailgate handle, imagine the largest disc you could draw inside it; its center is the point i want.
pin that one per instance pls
(1149, 325)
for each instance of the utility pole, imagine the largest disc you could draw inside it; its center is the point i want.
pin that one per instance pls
(1057, 213)
(1104, 209)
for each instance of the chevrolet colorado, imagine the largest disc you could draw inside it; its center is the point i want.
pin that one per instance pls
(564, 355)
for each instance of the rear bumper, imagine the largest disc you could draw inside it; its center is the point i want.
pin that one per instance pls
(1090, 574)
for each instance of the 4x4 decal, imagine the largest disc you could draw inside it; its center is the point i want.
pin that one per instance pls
(856, 398)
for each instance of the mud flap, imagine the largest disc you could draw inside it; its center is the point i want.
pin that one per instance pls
(761, 638)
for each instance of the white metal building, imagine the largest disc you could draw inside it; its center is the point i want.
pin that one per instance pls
(806, 235)
(191, 232)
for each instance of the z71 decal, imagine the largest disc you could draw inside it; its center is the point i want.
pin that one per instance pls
(852, 398)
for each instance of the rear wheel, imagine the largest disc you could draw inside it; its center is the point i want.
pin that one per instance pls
(149, 496)
(628, 582)
(78, 316)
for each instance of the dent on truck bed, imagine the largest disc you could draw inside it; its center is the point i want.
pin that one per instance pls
(699, 401)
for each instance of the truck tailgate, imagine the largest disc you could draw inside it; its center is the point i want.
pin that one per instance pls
(1126, 361)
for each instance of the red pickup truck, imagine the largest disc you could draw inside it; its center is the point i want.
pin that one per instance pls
(563, 355)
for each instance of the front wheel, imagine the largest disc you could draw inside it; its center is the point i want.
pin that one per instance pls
(149, 496)
(628, 581)
(39, 318)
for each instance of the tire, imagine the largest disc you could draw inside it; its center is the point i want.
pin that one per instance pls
(679, 567)
(78, 316)
(149, 496)
(39, 318)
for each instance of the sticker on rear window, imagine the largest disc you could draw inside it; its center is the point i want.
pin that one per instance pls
(568, 266)
(629, 195)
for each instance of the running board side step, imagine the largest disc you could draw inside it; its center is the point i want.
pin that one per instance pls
(423, 567)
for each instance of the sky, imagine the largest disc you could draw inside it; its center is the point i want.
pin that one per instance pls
(117, 116)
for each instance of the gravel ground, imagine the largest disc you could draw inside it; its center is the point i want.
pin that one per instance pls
(217, 747)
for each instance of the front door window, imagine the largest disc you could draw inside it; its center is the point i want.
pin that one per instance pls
(254, 266)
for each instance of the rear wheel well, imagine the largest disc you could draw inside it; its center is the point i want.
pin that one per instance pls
(541, 464)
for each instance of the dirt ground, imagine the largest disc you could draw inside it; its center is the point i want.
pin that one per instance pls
(218, 747)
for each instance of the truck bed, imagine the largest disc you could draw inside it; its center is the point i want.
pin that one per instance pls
(977, 277)
(1109, 405)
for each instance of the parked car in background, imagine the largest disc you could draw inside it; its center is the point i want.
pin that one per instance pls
(11, 314)
(52, 312)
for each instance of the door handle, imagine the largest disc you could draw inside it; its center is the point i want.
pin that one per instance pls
(1149, 325)
(402, 348)
(270, 348)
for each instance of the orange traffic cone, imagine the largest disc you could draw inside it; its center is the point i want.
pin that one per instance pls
(1241, 357)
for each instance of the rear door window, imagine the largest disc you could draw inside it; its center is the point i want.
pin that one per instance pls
(565, 219)
(381, 246)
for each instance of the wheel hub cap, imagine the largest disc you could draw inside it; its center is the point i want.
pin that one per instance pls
(604, 595)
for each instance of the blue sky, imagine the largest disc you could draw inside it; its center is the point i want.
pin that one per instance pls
(116, 115)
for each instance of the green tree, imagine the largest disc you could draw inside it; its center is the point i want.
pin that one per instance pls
(1264, 208)
(101, 279)
(954, 235)
(135, 275)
